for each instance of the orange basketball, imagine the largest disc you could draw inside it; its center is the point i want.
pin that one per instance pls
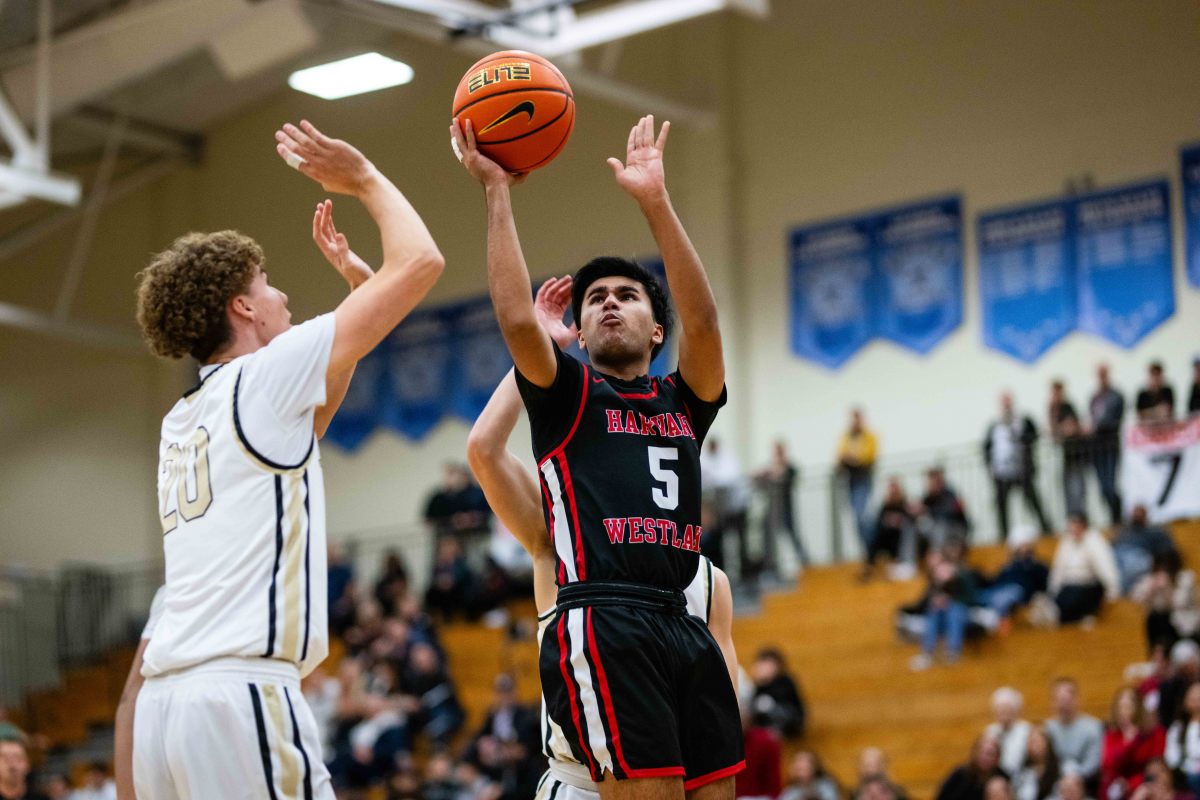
(520, 106)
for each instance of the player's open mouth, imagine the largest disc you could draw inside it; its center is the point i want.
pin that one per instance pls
(610, 319)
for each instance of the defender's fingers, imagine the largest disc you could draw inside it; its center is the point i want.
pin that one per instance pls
(292, 159)
(662, 136)
(318, 138)
(617, 166)
(631, 145)
(300, 136)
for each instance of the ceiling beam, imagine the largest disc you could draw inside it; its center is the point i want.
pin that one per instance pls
(26, 319)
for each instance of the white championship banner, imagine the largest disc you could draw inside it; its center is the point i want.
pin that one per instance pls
(1160, 469)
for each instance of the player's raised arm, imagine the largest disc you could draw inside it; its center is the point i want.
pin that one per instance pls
(701, 358)
(508, 277)
(411, 260)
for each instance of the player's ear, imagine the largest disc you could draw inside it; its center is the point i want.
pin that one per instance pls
(240, 307)
(657, 336)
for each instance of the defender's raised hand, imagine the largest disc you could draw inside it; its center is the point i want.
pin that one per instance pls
(550, 305)
(642, 174)
(481, 168)
(338, 166)
(336, 249)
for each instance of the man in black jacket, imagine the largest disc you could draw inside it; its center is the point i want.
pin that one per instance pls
(1008, 453)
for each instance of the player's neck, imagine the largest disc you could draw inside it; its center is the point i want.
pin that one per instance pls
(624, 371)
(243, 343)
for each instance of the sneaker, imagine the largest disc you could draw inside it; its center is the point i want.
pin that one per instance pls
(920, 662)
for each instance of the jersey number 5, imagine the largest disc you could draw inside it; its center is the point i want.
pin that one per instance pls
(185, 489)
(668, 496)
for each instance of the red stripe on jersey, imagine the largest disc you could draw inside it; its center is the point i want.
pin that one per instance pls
(562, 571)
(562, 663)
(609, 711)
(578, 416)
(702, 780)
(650, 395)
(569, 490)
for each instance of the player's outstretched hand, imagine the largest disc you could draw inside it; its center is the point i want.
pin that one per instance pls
(550, 305)
(642, 175)
(481, 168)
(336, 248)
(336, 165)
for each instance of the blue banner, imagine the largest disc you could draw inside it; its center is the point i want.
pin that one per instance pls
(362, 409)
(480, 358)
(832, 287)
(1190, 159)
(1123, 261)
(1026, 279)
(420, 358)
(918, 250)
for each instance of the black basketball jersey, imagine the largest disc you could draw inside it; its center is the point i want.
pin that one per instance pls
(619, 465)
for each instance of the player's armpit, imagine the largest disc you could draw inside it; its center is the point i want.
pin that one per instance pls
(720, 622)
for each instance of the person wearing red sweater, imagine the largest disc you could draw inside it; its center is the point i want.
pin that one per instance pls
(1130, 743)
(762, 778)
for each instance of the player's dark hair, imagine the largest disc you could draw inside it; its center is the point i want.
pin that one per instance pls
(608, 266)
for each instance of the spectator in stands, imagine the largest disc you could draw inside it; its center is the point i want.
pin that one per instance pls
(998, 787)
(1156, 401)
(1193, 406)
(457, 505)
(14, 768)
(808, 780)
(1183, 740)
(392, 585)
(967, 781)
(1077, 738)
(950, 592)
(941, 515)
(1009, 455)
(55, 786)
(368, 625)
(1038, 772)
(1168, 593)
(437, 713)
(1159, 784)
(893, 528)
(1009, 730)
(1136, 546)
(1020, 579)
(1184, 671)
(340, 586)
(1082, 577)
(97, 785)
(452, 584)
(440, 781)
(1130, 742)
(778, 482)
(873, 771)
(777, 698)
(760, 780)
(511, 732)
(1070, 787)
(728, 490)
(1107, 408)
(1067, 432)
(857, 453)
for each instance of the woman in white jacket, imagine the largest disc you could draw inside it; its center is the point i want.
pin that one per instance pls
(1084, 572)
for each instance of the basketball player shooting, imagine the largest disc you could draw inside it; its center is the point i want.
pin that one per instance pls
(513, 494)
(638, 686)
(243, 611)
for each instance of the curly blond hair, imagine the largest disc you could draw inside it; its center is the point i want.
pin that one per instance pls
(182, 294)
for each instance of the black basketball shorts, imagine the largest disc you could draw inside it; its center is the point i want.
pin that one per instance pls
(641, 694)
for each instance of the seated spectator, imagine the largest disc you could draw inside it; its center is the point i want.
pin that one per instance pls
(1159, 784)
(491, 592)
(1009, 730)
(1071, 787)
(1082, 577)
(950, 591)
(367, 626)
(435, 707)
(1183, 741)
(55, 786)
(1183, 672)
(96, 784)
(776, 696)
(876, 789)
(452, 584)
(1168, 594)
(1019, 580)
(998, 787)
(457, 506)
(440, 782)
(1193, 406)
(941, 515)
(341, 591)
(893, 527)
(967, 781)
(760, 780)
(1156, 402)
(14, 767)
(872, 771)
(1038, 774)
(1076, 738)
(392, 586)
(1129, 744)
(507, 745)
(1137, 545)
(808, 780)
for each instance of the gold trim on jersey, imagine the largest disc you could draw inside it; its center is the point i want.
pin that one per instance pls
(289, 758)
(293, 569)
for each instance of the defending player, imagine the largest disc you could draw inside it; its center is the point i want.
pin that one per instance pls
(241, 496)
(638, 687)
(513, 494)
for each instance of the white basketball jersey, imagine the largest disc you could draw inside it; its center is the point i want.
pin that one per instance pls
(242, 502)
(563, 764)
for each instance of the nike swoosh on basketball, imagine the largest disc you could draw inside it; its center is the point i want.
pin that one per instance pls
(524, 107)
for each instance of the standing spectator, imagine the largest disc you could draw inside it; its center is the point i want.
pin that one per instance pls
(872, 771)
(1009, 730)
(1020, 579)
(457, 505)
(857, 452)
(968, 780)
(1193, 406)
(1038, 773)
(1067, 432)
(777, 698)
(1082, 577)
(1138, 544)
(14, 768)
(1130, 742)
(1008, 453)
(1077, 738)
(96, 784)
(729, 491)
(760, 780)
(808, 779)
(949, 594)
(1156, 402)
(941, 515)
(778, 482)
(1183, 740)
(452, 584)
(893, 528)
(1107, 408)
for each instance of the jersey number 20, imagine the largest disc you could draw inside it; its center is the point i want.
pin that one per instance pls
(667, 496)
(185, 490)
